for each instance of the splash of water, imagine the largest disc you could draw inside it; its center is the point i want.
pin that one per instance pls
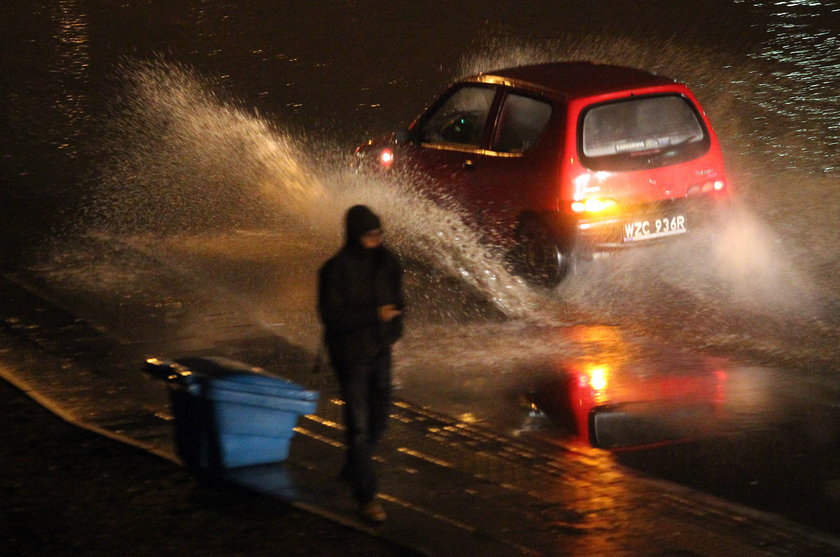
(186, 161)
(179, 158)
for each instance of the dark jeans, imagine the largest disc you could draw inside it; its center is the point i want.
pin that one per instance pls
(366, 390)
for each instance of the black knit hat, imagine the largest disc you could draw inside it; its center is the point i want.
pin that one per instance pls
(358, 220)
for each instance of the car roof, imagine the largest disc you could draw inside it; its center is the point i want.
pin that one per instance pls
(574, 79)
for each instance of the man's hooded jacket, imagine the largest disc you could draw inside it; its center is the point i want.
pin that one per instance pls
(351, 286)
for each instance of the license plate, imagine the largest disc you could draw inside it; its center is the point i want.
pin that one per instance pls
(637, 230)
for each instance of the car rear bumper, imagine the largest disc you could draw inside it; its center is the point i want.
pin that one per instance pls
(648, 224)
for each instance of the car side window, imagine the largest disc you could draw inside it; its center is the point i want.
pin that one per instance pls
(461, 118)
(522, 121)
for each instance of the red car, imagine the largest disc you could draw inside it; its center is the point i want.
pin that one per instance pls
(562, 160)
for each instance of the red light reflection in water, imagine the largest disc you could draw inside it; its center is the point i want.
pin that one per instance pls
(617, 397)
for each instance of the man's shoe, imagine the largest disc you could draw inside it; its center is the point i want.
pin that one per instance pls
(373, 512)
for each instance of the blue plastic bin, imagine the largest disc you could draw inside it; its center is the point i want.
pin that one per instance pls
(229, 414)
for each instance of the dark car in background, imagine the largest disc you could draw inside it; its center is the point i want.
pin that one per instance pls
(564, 160)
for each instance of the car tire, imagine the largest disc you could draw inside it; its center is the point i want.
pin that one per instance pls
(539, 257)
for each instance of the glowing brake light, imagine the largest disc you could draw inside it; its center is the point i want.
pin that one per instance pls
(386, 157)
(717, 185)
(593, 205)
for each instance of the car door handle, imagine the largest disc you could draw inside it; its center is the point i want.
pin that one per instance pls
(469, 164)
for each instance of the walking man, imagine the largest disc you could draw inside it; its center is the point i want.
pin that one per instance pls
(360, 302)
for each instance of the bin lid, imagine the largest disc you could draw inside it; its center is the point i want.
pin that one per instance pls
(252, 402)
(227, 374)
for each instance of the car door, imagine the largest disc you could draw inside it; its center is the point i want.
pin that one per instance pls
(449, 138)
(517, 170)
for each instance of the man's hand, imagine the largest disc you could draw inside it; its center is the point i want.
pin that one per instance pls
(388, 312)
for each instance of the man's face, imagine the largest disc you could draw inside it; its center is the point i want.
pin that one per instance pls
(372, 238)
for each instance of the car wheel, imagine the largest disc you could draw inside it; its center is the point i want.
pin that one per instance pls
(539, 258)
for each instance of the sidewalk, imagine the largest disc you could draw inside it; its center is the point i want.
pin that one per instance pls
(67, 491)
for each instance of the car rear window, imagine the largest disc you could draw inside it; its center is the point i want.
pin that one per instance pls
(642, 132)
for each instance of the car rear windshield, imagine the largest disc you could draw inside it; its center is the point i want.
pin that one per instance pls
(643, 132)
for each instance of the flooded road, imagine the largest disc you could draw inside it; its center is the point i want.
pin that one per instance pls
(176, 175)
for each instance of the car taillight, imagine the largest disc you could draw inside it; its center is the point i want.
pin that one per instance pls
(386, 157)
(707, 187)
(594, 205)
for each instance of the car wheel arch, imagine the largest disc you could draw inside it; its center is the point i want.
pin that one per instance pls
(534, 226)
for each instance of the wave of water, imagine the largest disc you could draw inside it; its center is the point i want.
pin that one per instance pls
(183, 161)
